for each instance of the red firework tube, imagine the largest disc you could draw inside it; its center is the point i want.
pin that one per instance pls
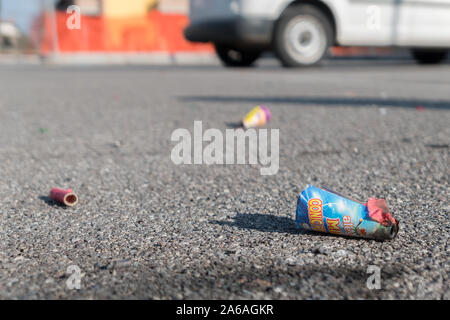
(66, 197)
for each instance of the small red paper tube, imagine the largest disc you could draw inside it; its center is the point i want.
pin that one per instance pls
(66, 197)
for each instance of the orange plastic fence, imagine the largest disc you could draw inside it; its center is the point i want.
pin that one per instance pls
(355, 51)
(154, 32)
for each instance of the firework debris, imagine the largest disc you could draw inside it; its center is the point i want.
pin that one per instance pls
(326, 211)
(257, 117)
(66, 197)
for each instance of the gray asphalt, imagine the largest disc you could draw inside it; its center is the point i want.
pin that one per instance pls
(146, 228)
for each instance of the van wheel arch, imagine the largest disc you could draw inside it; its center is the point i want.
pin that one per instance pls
(318, 5)
(303, 34)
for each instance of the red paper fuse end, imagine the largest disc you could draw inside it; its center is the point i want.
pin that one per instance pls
(379, 211)
(66, 197)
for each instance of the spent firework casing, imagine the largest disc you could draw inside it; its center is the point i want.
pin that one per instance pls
(62, 196)
(326, 211)
(258, 116)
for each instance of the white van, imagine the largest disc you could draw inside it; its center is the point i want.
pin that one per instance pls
(300, 32)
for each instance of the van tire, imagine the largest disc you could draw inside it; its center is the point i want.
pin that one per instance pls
(424, 56)
(232, 57)
(312, 25)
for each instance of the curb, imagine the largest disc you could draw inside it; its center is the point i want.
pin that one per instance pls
(155, 58)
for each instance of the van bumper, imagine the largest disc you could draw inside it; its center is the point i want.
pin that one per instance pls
(238, 31)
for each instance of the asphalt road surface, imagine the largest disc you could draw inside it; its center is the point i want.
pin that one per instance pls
(149, 229)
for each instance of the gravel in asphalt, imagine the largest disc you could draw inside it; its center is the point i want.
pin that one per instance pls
(146, 228)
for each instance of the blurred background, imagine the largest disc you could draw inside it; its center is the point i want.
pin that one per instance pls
(37, 29)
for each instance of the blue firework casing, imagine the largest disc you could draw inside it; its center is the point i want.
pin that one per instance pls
(326, 211)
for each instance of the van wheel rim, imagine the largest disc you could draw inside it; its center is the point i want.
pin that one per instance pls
(305, 39)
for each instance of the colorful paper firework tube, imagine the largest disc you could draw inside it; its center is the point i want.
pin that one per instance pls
(324, 210)
(62, 196)
(257, 117)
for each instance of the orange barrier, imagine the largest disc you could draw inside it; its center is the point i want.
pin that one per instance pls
(154, 32)
(359, 51)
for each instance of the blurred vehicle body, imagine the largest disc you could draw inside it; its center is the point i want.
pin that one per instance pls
(9, 34)
(300, 32)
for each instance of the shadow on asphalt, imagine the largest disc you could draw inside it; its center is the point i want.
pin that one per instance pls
(268, 223)
(271, 223)
(305, 279)
(324, 101)
(234, 125)
(262, 222)
(50, 202)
